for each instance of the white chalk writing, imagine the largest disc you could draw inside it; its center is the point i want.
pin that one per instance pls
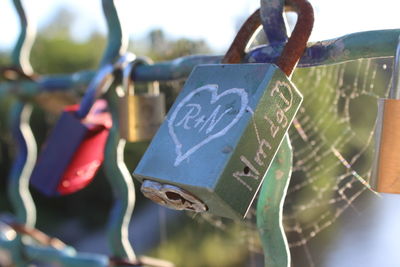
(193, 119)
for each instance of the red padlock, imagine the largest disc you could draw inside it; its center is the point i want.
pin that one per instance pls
(90, 154)
(74, 150)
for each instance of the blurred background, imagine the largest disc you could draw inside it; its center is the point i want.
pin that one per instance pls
(362, 228)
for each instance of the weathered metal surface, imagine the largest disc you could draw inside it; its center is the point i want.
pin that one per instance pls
(237, 49)
(297, 43)
(235, 115)
(270, 207)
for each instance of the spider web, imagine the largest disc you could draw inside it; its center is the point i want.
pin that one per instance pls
(333, 145)
(333, 148)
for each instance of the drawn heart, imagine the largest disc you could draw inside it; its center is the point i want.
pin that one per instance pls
(212, 88)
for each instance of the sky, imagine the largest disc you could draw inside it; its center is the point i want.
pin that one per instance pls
(212, 20)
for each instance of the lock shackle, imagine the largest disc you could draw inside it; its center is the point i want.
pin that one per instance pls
(100, 83)
(394, 92)
(294, 47)
(102, 80)
(128, 76)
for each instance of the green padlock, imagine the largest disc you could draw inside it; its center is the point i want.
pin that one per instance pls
(223, 131)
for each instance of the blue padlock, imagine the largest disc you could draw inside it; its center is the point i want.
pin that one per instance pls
(74, 151)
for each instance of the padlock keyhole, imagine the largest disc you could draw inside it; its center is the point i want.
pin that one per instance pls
(173, 196)
(246, 170)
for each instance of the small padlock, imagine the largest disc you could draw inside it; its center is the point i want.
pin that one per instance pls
(386, 168)
(74, 151)
(224, 129)
(140, 114)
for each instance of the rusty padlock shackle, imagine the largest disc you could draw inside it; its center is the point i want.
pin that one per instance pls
(293, 49)
(128, 74)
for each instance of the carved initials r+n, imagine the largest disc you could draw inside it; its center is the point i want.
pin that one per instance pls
(200, 121)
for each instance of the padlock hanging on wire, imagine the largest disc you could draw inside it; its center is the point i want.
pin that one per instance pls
(140, 114)
(74, 150)
(385, 176)
(225, 127)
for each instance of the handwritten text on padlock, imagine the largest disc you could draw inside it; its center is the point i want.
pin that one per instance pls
(276, 126)
(189, 115)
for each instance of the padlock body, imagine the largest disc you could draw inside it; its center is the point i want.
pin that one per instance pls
(85, 162)
(141, 115)
(386, 169)
(222, 134)
(72, 153)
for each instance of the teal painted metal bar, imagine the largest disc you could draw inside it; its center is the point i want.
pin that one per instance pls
(120, 178)
(370, 44)
(117, 42)
(18, 190)
(270, 208)
(22, 49)
(122, 184)
(114, 166)
(18, 180)
(67, 257)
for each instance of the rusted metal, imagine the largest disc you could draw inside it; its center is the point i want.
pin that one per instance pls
(236, 51)
(293, 49)
(37, 235)
(297, 42)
